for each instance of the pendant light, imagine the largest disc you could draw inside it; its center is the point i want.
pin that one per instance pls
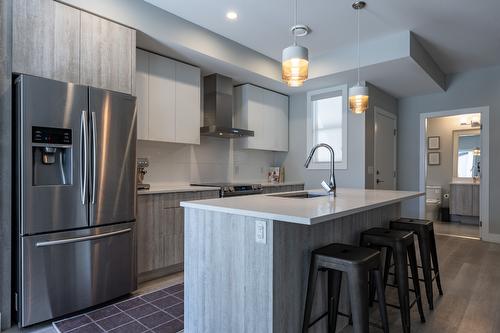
(358, 95)
(295, 58)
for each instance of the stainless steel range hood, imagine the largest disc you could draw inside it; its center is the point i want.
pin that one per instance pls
(218, 108)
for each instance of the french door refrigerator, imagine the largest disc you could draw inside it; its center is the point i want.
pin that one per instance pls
(75, 197)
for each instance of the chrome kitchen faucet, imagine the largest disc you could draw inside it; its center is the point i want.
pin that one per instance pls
(331, 187)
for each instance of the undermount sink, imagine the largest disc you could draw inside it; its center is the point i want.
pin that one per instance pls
(299, 195)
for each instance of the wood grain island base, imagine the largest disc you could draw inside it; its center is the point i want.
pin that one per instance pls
(234, 283)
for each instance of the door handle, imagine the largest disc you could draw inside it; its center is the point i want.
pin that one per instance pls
(83, 156)
(81, 239)
(379, 181)
(94, 163)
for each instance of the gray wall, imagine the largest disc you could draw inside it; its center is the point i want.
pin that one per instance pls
(443, 127)
(470, 89)
(381, 99)
(5, 158)
(294, 160)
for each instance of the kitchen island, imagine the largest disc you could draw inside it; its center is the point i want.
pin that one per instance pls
(247, 258)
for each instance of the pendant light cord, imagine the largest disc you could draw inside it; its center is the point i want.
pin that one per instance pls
(359, 62)
(295, 20)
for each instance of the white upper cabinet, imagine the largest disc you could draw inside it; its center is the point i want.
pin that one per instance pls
(266, 113)
(168, 99)
(161, 95)
(187, 103)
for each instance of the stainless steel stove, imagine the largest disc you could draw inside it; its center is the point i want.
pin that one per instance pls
(234, 189)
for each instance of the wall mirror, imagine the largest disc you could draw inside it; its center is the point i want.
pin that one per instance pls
(466, 153)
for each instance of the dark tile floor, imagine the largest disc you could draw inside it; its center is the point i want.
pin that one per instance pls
(161, 311)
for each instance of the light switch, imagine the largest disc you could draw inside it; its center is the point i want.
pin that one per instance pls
(260, 231)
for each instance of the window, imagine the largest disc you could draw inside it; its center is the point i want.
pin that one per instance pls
(327, 123)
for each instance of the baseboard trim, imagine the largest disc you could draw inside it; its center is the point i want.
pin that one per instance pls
(161, 272)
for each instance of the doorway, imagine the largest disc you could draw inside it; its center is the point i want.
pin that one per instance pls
(454, 149)
(385, 150)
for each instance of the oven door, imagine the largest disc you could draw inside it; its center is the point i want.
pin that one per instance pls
(70, 271)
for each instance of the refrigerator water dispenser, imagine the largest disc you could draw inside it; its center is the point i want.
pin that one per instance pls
(52, 156)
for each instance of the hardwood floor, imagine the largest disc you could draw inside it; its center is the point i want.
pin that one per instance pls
(471, 303)
(456, 229)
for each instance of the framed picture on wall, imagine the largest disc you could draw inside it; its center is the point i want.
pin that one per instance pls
(433, 142)
(434, 158)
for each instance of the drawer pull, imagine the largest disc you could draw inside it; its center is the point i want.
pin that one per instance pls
(81, 239)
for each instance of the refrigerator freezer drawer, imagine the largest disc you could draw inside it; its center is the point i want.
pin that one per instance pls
(70, 271)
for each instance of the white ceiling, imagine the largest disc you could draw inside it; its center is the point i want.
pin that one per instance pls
(459, 34)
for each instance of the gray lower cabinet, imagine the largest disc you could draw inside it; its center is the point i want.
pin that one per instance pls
(160, 232)
(282, 188)
(46, 40)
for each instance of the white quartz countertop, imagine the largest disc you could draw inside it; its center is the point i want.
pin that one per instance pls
(287, 183)
(304, 211)
(174, 188)
(157, 188)
(464, 182)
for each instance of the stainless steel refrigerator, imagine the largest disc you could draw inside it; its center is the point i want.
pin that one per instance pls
(75, 197)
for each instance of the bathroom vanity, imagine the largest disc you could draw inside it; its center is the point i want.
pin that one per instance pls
(464, 202)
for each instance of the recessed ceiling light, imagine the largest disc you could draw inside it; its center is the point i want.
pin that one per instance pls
(232, 15)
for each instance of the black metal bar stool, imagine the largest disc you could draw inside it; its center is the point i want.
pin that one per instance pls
(424, 229)
(358, 263)
(399, 244)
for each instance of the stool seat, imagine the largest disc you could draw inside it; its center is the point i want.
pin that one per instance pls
(346, 255)
(386, 237)
(415, 225)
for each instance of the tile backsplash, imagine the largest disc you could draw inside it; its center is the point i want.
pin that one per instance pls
(213, 160)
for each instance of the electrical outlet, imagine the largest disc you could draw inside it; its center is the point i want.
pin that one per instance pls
(261, 231)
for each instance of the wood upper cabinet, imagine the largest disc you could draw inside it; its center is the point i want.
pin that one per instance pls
(168, 99)
(46, 40)
(107, 53)
(142, 88)
(266, 113)
(60, 42)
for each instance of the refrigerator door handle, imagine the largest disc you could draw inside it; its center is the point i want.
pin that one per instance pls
(94, 148)
(83, 156)
(81, 239)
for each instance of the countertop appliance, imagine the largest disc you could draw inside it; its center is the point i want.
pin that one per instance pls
(142, 165)
(75, 197)
(234, 189)
(218, 108)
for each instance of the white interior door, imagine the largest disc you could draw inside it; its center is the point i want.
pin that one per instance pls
(385, 150)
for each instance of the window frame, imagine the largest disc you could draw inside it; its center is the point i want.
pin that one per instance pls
(311, 130)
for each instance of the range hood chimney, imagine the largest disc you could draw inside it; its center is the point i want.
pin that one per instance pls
(218, 108)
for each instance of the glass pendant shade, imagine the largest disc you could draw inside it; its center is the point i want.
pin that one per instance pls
(295, 65)
(358, 99)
